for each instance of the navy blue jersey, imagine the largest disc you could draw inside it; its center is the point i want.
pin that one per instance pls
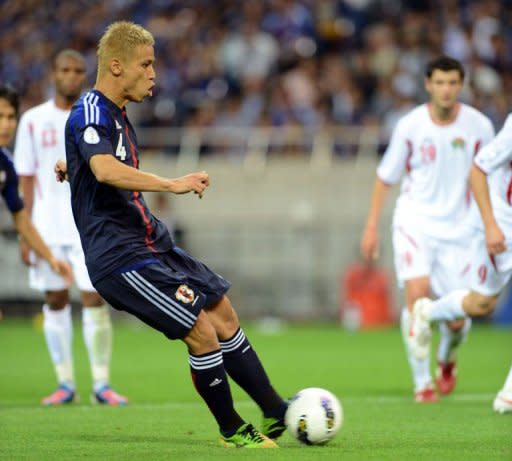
(9, 182)
(115, 225)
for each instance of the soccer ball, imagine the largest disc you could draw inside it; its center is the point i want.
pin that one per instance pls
(314, 416)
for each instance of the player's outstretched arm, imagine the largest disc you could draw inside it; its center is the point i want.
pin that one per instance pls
(370, 237)
(108, 170)
(27, 230)
(494, 237)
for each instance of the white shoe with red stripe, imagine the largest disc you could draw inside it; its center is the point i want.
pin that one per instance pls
(503, 402)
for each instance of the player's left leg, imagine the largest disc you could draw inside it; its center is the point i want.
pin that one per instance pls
(245, 368)
(97, 333)
(503, 401)
(452, 335)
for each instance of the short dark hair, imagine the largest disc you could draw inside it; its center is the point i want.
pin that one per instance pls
(444, 63)
(67, 53)
(9, 93)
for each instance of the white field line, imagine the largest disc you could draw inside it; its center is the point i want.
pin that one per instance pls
(477, 397)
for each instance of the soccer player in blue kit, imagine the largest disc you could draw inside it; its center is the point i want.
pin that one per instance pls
(9, 106)
(131, 259)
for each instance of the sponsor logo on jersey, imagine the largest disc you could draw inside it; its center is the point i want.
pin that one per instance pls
(184, 294)
(91, 136)
(458, 143)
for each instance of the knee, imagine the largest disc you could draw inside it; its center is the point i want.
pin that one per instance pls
(202, 338)
(224, 318)
(91, 299)
(57, 300)
(483, 304)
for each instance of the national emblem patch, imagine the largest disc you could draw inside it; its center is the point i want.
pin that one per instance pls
(184, 294)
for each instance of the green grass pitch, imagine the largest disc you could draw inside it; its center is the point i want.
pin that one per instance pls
(166, 420)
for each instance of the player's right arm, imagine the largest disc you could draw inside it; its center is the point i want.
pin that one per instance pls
(110, 171)
(491, 157)
(389, 172)
(494, 237)
(370, 237)
(92, 131)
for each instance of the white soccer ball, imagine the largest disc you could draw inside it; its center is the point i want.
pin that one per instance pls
(314, 416)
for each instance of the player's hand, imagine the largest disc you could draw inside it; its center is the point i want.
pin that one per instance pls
(63, 269)
(194, 182)
(61, 171)
(370, 244)
(494, 239)
(25, 253)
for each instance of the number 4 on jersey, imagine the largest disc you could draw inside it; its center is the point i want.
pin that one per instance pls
(121, 150)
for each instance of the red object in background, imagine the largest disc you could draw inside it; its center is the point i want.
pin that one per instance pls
(366, 299)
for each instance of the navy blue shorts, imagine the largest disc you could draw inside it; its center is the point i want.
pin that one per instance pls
(167, 292)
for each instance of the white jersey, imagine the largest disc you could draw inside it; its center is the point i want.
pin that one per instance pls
(495, 161)
(436, 160)
(39, 144)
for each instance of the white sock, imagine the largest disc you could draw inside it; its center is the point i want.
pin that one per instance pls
(420, 368)
(448, 307)
(97, 330)
(508, 382)
(450, 340)
(58, 331)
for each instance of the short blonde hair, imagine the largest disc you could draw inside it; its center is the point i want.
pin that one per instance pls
(119, 41)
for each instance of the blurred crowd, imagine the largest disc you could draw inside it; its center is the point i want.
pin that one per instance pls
(231, 63)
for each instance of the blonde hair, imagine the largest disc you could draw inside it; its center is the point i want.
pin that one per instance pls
(119, 41)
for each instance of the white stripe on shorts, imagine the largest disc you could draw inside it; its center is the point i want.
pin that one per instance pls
(157, 302)
(164, 297)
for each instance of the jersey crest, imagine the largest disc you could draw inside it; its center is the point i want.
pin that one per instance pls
(458, 143)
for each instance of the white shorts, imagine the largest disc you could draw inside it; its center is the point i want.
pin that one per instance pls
(489, 275)
(445, 262)
(42, 278)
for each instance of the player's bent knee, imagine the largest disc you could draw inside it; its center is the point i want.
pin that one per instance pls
(202, 338)
(224, 318)
(483, 304)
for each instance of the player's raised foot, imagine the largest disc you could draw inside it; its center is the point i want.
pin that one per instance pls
(107, 396)
(273, 428)
(427, 395)
(446, 377)
(420, 332)
(247, 437)
(503, 402)
(62, 396)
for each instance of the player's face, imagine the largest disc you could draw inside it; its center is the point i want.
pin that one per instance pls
(69, 77)
(444, 88)
(139, 74)
(8, 122)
